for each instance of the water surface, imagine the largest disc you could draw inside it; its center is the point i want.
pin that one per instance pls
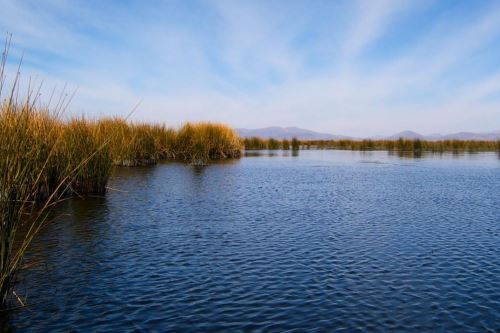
(323, 241)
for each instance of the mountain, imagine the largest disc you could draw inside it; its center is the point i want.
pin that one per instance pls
(287, 133)
(305, 134)
(454, 136)
(406, 135)
(472, 136)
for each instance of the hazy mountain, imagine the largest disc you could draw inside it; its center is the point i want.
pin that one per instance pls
(454, 136)
(473, 136)
(305, 134)
(406, 135)
(287, 133)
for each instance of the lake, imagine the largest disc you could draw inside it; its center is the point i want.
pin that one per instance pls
(317, 241)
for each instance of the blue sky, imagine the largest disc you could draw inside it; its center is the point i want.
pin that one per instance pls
(347, 67)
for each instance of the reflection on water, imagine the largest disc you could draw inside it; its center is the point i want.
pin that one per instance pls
(198, 169)
(408, 154)
(396, 153)
(327, 240)
(271, 153)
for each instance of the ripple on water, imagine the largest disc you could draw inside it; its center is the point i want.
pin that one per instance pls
(326, 241)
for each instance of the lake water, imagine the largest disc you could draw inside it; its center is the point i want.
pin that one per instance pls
(320, 242)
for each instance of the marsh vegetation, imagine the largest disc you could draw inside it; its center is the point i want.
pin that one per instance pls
(402, 145)
(46, 157)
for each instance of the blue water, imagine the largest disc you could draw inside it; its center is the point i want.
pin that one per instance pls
(324, 241)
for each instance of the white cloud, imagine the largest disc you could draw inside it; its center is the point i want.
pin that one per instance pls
(243, 66)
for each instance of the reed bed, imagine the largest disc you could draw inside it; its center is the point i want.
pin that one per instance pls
(256, 143)
(202, 142)
(17, 146)
(389, 145)
(44, 158)
(129, 144)
(82, 140)
(31, 179)
(87, 149)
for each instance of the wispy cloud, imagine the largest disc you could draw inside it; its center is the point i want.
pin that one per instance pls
(352, 67)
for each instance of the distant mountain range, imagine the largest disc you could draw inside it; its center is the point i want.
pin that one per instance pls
(287, 133)
(305, 134)
(454, 136)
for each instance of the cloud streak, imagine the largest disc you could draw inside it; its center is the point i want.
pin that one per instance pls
(356, 68)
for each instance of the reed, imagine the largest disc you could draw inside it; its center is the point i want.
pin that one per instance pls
(29, 139)
(15, 191)
(389, 145)
(81, 140)
(285, 144)
(255, 143)
(273, 144)
(133, 144)
(198, 143)
(43, 158)
(129, 144)
(164, 140)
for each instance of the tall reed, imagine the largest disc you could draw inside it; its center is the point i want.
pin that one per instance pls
(81, 139)
(129, 144)
(200, 142)
(29, 172)
(41, 159)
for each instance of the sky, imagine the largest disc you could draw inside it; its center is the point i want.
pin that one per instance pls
(360, 68)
